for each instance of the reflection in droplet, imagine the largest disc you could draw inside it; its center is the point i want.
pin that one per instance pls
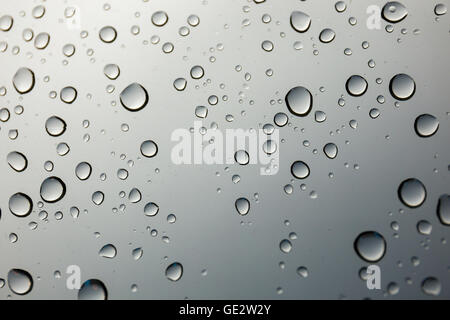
(20, 204)
(300, 170)
(426, 125)
(412, 193)
(134, 97)
(174, 271)
(370, 246)
(23, 80)
(20, 281)
(300, 21)
(242, 206)
(17, 161)
(402, 86)
(93, 289)
(299, 101)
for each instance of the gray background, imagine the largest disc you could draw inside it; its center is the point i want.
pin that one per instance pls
(242, 259)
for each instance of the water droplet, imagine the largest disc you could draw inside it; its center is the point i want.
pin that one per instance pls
(394, 12)
(426, 125)
(193, 20)
(137, 253)
(83, 170)
(402, 86)
(20, 281)
(41, 41)
(300, 21)
(299, 101)
(242, 157)
(52, 190)
(6, 23)
(424, 227)
(197, 72)
(20, 205)
(300, 170)
(330, 150)
(107, 34)
(180, 84)
(242, 206)
(280, 119)
(17, 161)
(431, 286)
(440, 9)
(267, 45)
(55, 126)
(340, 6)
(320, 116)
(174, 272)
(443, 209)
(269, 147)
(151, 209)
(412, 193)
(98, 197)
(38, 12)
(23, 80)
(134, 97)
(134, 196)
(356, 85)
(111, 71)
(159, 18)
(327, 35)
(285, 246)
(68, 95)
(108, 251)
(93, 289)
(370, 246)
(201, 112)
(303, 272)
(149, 149)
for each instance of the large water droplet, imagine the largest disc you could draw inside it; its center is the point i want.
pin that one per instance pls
(20, 281)
(426, 125)
(108, 251)
(17, 161)
(20, 205)
(134, 195)
(53, 189)
(327, 35)
(431, 286)
(108, 34)
(23, 80)
(83, 170)
(6, 22)
(242, 157)
(300, 21)
(443, 209)
(174, 271)
(330, 150)
(300, 170)
(285, 246)
(402, 86)
(242, 206)
(55, 126)
(159, 18)
(299, 101)
(134, 97)
(42, 40)
(68, 95)
(149, 149)
(93, 289)
(370, 246)
(151, 209)
(98, 197)
(394, 12)
(356, 85)
(412, 192)
(111, 71)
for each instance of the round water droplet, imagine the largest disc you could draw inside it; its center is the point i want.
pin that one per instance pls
(20, 281)
(426, 125)
(180, 84)
(269, 147)
(440, 9)
(68, 50)
(6, 23)
(134, 97)
(193, 20)
(108, 251)
(370, 246)
(300, 21)
(42, 40)
(280, 119)
(111, 71)
(303, 272)
(327, 35)
(53, 189)
(424, 227)
(242, 157)
(149, 149)
(330, 150)
(394, 12)
(151, 209)
(55, 126)
(23, 80)
(17, 161)
(134, 196)
(197, 72)
(443, 209)
(431, 286)
(300, 170)
(20, 205)
(340, 6)
(412, 193)
(356, 85)
(267, 45)
(93, 289)
(402, 86)
(107, 34)
(174, 272)
(285, 246)
(201, 112)
(159, 18)
(68, 95)
(299, 101)
(83, 170)
(98, 197)
(242, 206)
